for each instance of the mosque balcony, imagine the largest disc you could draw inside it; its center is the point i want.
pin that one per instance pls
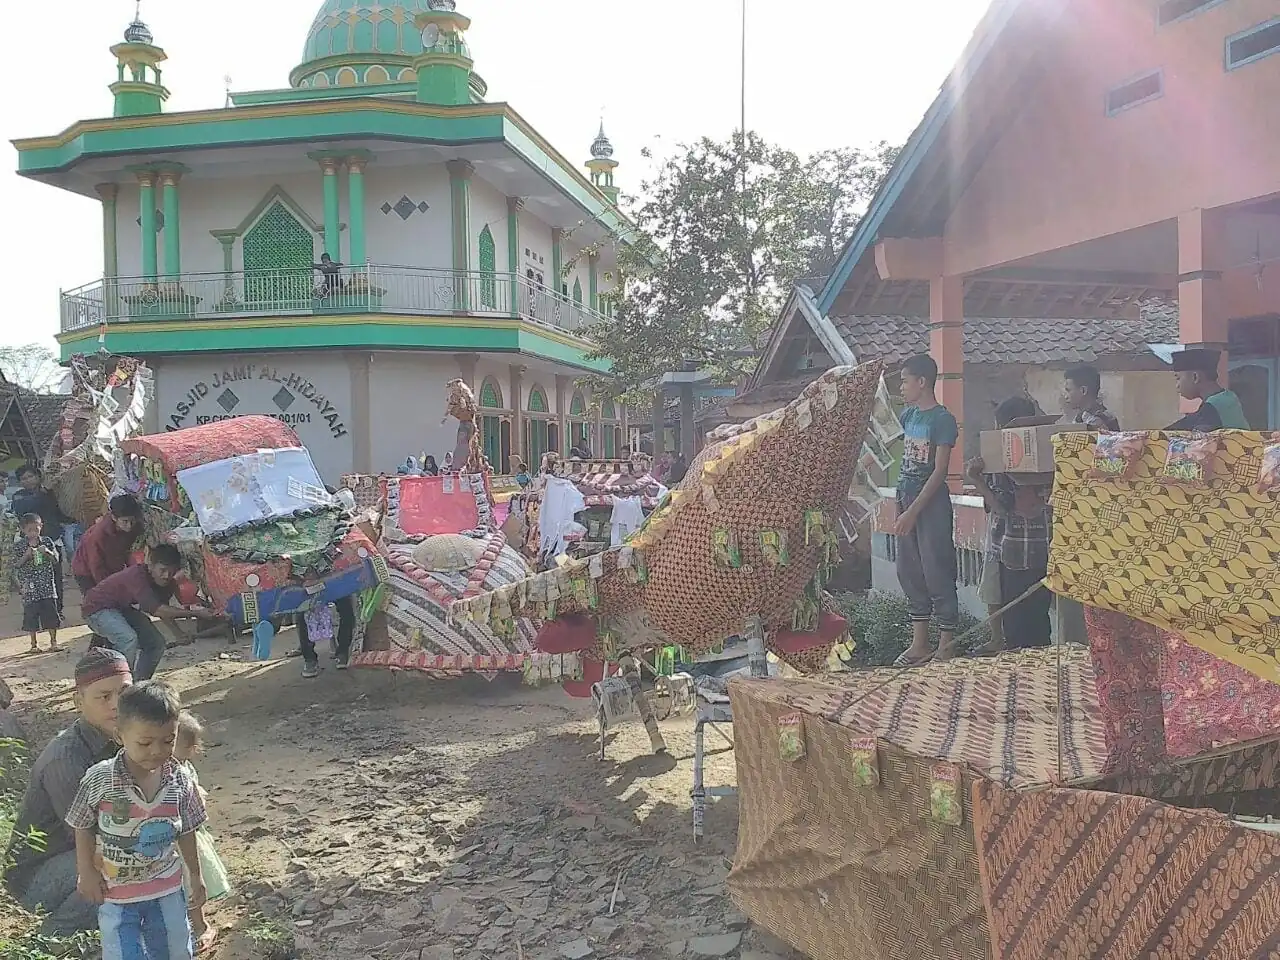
(407, 291)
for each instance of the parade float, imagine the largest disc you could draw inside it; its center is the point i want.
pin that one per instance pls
(242, 500)
(1103, 803)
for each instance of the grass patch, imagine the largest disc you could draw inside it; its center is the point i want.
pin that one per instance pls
(881, 626)
(20, 937)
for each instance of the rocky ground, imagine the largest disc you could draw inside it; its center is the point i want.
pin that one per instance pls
(385, 815)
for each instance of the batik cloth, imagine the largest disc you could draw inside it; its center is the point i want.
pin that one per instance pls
(1199, 559)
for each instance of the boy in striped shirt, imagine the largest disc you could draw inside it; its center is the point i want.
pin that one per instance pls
(135, 818)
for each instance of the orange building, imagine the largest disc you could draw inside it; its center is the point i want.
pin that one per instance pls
(1084, 157)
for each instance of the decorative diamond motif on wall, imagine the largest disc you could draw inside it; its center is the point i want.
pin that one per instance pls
(228, 400)
(159, 220)
(405, 208)
(283, 399)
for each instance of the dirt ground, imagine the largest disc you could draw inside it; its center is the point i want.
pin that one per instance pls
(377, 814)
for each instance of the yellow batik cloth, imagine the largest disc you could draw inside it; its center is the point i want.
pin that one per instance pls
(1201, 560)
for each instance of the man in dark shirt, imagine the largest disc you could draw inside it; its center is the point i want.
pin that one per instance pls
(1082, 400)
(147, 587)
(32, 498)
(44, 873)
(1196, 373)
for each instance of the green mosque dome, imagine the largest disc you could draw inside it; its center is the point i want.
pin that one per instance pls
(355, 42)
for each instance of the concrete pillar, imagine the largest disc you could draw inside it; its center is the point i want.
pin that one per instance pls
(359, 363)
(659, 416)
(172, 225)
(460, 173)
(688, 429)
(1202, 301)
(514, 206)
(564, 390)
(516, 381)
(147, 213)
(109, 193)
(946, 346)
(332, 210)
(355, 206)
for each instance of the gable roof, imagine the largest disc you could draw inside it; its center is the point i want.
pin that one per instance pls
(1036, 341)
(44, 416)
(941, 157)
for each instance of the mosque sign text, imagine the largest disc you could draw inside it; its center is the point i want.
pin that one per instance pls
(246, 389)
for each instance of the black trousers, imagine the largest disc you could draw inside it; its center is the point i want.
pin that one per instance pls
(345, 633)
(1027, 624)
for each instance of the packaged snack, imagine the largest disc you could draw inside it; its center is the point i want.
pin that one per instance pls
(1116, 455)
(773, 545)
(725, 544)
(945, 802)
(1269, 472)
(1189, 460)
(865, 763)
(791, 737)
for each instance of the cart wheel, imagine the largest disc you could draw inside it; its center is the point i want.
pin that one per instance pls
(662, 698)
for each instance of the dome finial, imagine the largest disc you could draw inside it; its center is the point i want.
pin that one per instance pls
(138, 32)
(601, 148)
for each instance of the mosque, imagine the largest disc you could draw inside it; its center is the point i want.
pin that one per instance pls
(334, 252)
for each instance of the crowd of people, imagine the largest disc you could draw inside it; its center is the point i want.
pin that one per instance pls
(1019, 519)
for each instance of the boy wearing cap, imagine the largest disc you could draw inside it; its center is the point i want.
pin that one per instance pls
(1195, 370)
(45, 874)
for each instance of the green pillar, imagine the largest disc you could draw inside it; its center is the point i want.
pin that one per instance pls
(109, 193)
(514, 206)
(460, 172)
(332, 239)
(172, 226)
(593, 283)
(147, 213)
(557, 260)
(355, 203)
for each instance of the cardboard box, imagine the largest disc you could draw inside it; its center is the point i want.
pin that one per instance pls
(1025, 446)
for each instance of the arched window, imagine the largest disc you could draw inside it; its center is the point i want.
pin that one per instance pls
(612, 433)
(488, 270)
(491, 424)
(579, 428)
(538, 429)
(577, 290)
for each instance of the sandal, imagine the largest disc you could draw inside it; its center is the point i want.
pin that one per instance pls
(988, 649)
(906, 660)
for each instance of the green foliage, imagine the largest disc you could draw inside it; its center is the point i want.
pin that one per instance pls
(881, 627)
(19, 938)
(725, 229)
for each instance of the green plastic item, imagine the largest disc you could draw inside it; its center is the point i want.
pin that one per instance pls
(372, 602)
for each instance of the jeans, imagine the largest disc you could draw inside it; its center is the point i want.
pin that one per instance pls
(52, 884)
(70, 539)
(927, 561)
(147, 930)
(132, 633)
(344, 634)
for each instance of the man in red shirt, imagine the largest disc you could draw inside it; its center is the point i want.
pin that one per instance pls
(110, 609)
(106, 547)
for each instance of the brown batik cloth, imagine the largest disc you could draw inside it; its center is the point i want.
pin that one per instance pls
(840, 871)
(1085, 875)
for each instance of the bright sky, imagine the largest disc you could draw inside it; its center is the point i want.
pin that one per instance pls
(852, 73)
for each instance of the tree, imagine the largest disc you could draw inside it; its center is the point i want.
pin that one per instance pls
(725, 229)
(31, 366)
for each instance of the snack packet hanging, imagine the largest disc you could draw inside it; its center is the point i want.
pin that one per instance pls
(1269, 472)
(791, 745)
(1116, 455)
(1189, 460)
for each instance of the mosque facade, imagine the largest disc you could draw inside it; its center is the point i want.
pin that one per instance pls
(334, 252)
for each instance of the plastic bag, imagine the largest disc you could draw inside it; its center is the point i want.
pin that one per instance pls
(1189, 460)
(1116, 455)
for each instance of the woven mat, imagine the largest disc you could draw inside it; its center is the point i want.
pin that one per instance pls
(1200, 559)
(1096, 876)
(1001, 716)
(843, 872)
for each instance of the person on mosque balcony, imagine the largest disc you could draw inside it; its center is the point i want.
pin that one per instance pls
(331, 270)
(1196, 372)
(429, 466)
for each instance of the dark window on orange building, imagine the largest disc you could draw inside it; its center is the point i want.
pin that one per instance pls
(1171, 10)
(1149, 86)
(1253, 44)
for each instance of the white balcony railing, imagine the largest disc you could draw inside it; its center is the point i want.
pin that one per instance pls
(372, 289)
